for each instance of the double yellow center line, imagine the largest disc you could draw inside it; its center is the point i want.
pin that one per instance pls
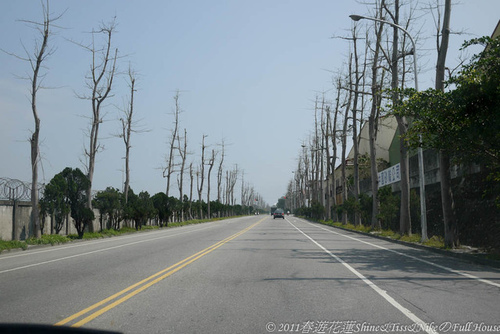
(114, 300)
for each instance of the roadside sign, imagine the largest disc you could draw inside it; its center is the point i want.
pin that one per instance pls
(389, 175)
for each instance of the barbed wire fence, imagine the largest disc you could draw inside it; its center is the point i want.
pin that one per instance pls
(17, 190)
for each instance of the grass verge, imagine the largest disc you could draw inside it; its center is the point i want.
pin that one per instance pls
(14, 244)
(55, 239)
(435, 242)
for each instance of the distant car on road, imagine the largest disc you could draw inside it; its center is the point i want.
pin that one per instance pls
(279, 213)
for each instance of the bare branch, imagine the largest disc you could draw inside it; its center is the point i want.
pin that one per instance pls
(99, 82)
(36, 61)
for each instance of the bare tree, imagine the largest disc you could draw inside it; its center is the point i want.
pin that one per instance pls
(450, 222)
(315, 155)
(191, 184)
(220, 172)
(344, 141)
(357, 79)
(36, 59)
(333, 137)
(244, 190)
(326, 134)
(306, 177)
(323, 156)
(201, 174)
(231, 179)
(211, 163)
(100, 82)
(183, 154)
(405, 218)
(299, 181)
(129, 125)
(374, 119)
(35, 149)
(169, 169)
(251, 197)
(290, 196)
(353, 105)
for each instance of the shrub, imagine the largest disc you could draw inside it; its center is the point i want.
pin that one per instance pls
(8, 245)
(48, 239)
(389, 208)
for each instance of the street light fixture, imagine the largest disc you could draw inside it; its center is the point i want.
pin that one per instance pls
(423, 210)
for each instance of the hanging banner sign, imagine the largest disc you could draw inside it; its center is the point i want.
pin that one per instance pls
(389, 175)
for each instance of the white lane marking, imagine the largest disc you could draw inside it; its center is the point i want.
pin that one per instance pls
(94, 242)
(458, 272)
(384, 294)
(95, 251)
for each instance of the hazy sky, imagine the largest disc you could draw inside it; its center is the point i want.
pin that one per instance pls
(248, 72)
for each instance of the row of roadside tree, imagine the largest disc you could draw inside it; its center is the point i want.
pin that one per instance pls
(459, 119)
(65, 196)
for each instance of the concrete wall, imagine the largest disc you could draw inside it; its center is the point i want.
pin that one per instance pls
(431, 168)
(5, 220)
(15, 222)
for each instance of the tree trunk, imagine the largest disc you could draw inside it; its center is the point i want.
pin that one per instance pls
(202, 175)
(102, 76)
(169, 170)
(373, 130)
(91, 163)
(355, 145)
(327, 132)
(344, 144)
(211, 165)
(191, 184)
(220, 173)
(450, 223)
(126, 133)
(35, 210)
(183, 155)
(34, 141)
(334, 145)
(404, 214)
(375, 223)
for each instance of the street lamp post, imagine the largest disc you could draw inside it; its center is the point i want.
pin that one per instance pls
(423, 210)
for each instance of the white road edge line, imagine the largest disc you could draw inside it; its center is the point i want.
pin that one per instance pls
(392, 301)
(458, 272)
(95, 241)
(95, 251)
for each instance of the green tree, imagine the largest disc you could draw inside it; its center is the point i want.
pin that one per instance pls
(110, 205)
(477, 105)
(140, 208)
(77, 184)
(389, 208)
(317, 209)
(163, 208)
(217, 206)
(55, 202)
(464, 120)
(282, 203)
(66, 193)
(185, 207)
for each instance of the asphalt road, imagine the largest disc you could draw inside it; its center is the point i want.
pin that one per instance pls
(248, 275)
